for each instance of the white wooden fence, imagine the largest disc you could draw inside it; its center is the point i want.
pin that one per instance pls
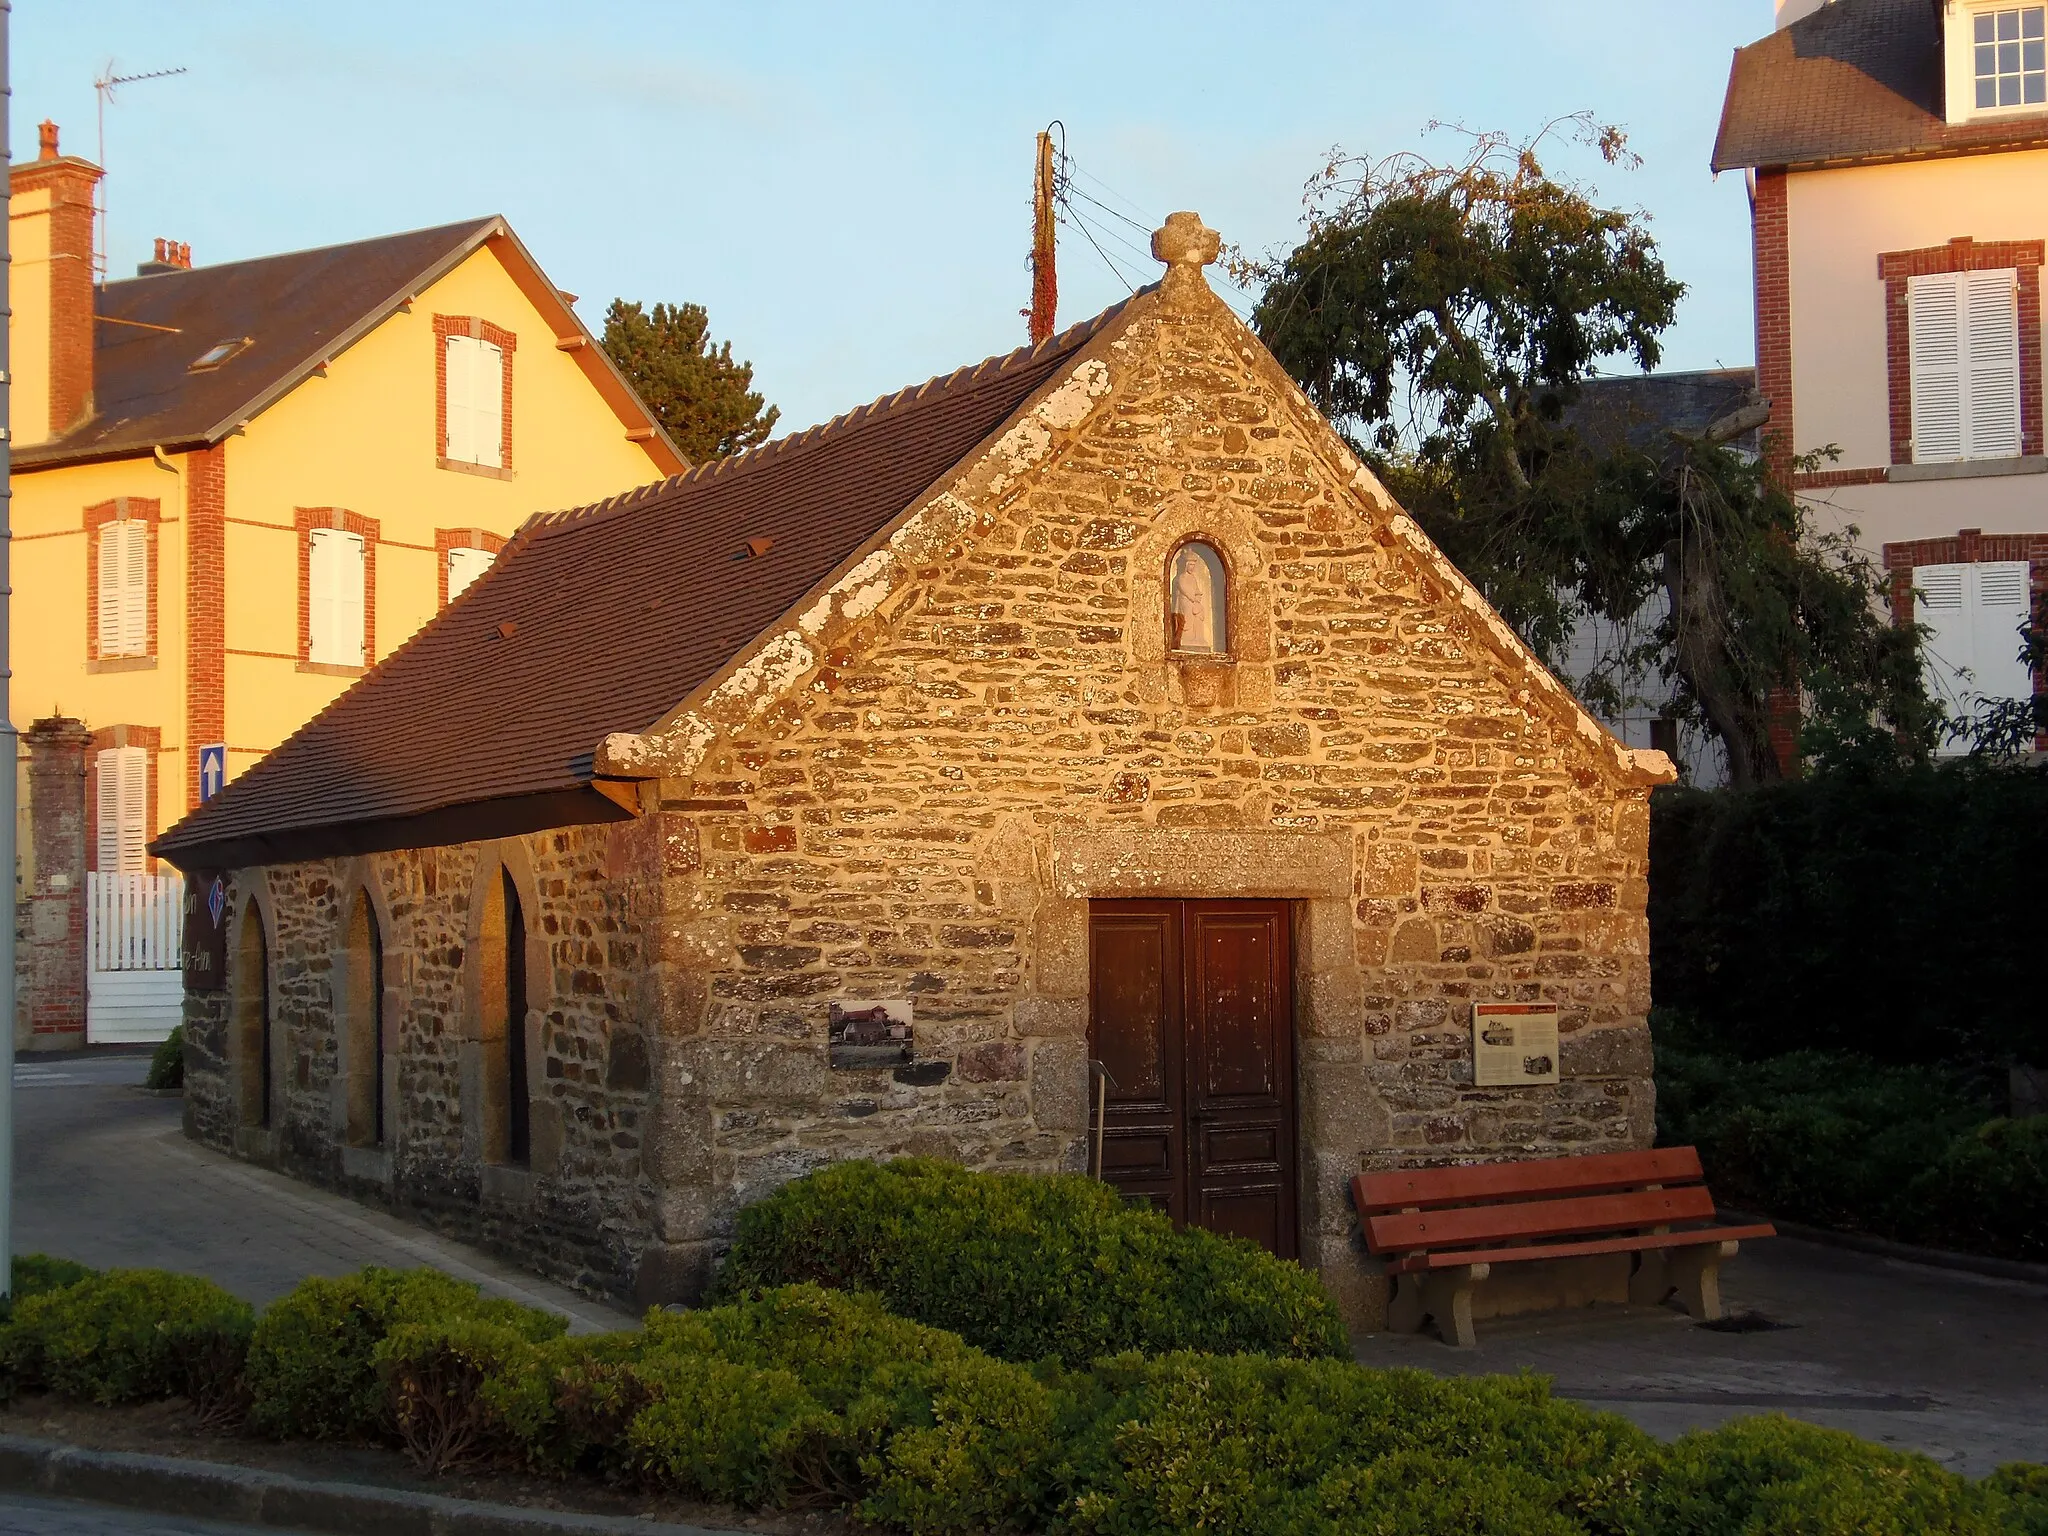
(135, 988)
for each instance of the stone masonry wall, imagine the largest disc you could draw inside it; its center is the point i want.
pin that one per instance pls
(582, 1212)
(1002, 735)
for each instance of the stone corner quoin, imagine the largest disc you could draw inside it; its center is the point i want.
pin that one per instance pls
(915, 787)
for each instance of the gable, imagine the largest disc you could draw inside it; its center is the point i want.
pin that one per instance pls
(1309, 530)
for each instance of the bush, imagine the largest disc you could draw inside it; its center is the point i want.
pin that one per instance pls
(167, 1066)
(130, 1335)
(312, 1369)
(1895, 917)
(1028, 1267)
(461, 1390)
(1773, 1476)
(1841, 1141)
(35, 1273)
(2020, 1493)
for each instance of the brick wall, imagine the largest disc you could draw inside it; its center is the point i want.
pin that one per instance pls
(50, 920)
(1770, 228)
(206, 656)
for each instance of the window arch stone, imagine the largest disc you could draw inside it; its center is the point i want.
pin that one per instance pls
(366, 1012)
(506, 983)
(256, 1032)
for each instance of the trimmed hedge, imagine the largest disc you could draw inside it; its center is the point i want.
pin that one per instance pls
(1840, 1141)
(1029, 1267)
(127, 1336)
(1896, 917)
(801, 1395)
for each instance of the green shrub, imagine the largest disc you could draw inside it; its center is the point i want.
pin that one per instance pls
(2020, 1493)
(312, 1369)
(35, 1273)
(130, 1335)
(1244, 1444)
(1028, 1267)
(167, 1066)
(1773, 1476)
(1987, 1192)
(461, 1390)
(1842, 1141)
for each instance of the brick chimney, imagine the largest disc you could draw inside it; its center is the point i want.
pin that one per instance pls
(52, 329)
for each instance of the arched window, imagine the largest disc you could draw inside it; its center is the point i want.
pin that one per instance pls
(251, 1014)
(363, 1024)
(501, 961)
(1197, 601)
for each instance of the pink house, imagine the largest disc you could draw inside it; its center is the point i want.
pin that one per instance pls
(1897, 152)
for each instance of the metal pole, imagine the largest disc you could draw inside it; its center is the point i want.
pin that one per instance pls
(10, 745)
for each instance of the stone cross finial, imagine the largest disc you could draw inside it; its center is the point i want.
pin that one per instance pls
(1186, 245)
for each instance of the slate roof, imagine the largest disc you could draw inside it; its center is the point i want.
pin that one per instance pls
(598, 620)
(1855, 80)
(297, 310)
(1639, 408)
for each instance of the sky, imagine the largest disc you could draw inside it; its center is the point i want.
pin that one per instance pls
(846, 187)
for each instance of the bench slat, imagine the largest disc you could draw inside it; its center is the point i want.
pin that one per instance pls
(1427, 1187)
(1453, 1258)
(1575, 1215)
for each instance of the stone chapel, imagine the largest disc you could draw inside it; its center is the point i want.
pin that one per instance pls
(1075, 762)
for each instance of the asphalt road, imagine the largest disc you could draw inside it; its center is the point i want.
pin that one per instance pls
(104, 1175)
(21, 1515)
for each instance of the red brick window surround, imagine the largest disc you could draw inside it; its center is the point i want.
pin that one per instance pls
(446, 539)
(1971, 546)
(149, 740)
(476, 329)
(1962, 254)
(308, 519)
(121, 532)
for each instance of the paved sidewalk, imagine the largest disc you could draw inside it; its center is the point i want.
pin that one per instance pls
(1933, 1360)
(104, 1175)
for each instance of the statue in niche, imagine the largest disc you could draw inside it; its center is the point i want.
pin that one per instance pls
(1195, 610)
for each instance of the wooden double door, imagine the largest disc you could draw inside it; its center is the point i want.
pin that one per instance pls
(1191, 1012)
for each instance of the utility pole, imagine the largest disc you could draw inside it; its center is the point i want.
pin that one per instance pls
(10, 745)
(1045, 288)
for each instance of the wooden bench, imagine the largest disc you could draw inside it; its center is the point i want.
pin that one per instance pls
(1441, 1230)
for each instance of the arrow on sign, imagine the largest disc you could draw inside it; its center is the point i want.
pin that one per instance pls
(213, 769)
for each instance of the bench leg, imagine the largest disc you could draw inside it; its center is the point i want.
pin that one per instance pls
(1696, 1272)
(1650, 1281)
(1443, 1294)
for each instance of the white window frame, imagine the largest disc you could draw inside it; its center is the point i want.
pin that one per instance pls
(337, 588)
(1963, 351)
(1973, 612)
(123, 587)
(1959, 67)
(123, 809)
(473, 402)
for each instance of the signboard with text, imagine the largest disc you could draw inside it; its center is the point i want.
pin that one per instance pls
(1514, 1044)
(203, 948)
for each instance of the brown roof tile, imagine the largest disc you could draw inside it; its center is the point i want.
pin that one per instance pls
(618, 611)
(1857, 79)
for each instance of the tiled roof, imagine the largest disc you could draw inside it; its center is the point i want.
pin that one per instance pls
(297, 311)
(595, 621)
(1857, 79)
(1639, 408)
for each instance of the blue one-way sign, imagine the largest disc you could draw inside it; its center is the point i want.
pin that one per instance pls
(213, 770)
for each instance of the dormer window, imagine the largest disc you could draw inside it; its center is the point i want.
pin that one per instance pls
(2009, 55)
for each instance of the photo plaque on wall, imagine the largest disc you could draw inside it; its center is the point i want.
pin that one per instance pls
(1514, 1044)
(869, 1034)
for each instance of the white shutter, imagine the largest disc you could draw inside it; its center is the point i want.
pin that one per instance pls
(123, 579)
(1942, 603)
(334, 579)
(464, 566)
(487, 378)
(461, 409)
(1935, 341)
(1991, 392)
(123, 810)
(1998, 608)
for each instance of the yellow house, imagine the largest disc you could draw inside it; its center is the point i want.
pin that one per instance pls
(238, 487)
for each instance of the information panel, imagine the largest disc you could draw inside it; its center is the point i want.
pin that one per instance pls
(1513, 1044)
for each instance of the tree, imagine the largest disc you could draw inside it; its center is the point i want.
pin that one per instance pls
(702, 398)
(1445, 315)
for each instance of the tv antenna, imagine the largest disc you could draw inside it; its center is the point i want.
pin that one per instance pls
(105, 87)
